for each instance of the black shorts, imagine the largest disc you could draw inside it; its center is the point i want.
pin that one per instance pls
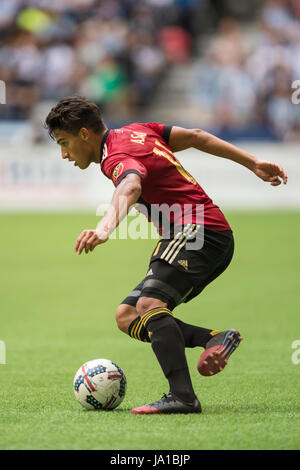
(177, 273)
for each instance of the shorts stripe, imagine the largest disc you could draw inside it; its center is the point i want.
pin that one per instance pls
(178, 242)
(179, 235)
(174, 243)
(182, 244)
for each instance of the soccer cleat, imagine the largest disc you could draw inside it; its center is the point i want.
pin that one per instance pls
(168, 404)
(217, 351)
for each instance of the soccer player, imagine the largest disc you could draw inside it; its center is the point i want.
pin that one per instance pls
(196, 245)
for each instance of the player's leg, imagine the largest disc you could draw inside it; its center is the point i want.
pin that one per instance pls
(144, 318)
(215, 257)
(168, 345)
(219, 345)
(203, 266)
(174, 286)
(223, 343)
(127, 316)
(194, 336)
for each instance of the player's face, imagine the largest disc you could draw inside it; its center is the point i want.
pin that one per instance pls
(75, 148)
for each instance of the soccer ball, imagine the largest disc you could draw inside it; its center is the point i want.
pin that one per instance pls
(99, 385)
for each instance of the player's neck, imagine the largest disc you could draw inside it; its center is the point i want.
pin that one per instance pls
(96, 144)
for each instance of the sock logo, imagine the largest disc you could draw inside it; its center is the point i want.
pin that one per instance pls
(214, 332)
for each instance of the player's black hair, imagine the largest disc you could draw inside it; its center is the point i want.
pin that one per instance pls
(72, 113)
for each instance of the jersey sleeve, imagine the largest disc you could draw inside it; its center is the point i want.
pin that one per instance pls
(162, 129)
(117, 168)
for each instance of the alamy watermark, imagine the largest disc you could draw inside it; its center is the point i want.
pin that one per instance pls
(296, 95)
(184, 223)
(2, 92)
(2, 352)
(296, 354)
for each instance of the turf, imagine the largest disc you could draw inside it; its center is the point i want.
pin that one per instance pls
(57, 311)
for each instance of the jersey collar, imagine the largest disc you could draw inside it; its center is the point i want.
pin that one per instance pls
(103, 143)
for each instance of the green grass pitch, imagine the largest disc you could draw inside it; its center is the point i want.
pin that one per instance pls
(58, 311)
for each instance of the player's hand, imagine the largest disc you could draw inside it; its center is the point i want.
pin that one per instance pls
(270, 172)
(89, 239)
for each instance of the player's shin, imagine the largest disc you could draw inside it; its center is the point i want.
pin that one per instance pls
(168, 345)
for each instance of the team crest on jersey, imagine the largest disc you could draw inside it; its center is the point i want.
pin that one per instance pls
(118, 170)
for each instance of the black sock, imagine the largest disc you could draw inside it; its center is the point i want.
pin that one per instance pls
(137, 330)
(168, 345)
(194, 335)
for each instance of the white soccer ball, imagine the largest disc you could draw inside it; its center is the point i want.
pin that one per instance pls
(99, 384)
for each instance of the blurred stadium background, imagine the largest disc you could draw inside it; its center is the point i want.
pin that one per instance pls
(222, 65)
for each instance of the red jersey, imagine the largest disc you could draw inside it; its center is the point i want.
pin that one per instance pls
(169, 192)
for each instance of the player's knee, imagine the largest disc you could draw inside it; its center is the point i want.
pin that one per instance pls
(147, 303)
(125, 314)
(121, 316)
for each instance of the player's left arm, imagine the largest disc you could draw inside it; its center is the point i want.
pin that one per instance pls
(182, 139)
(125, 195)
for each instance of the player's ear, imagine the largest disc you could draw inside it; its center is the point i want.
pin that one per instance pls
(84, 133)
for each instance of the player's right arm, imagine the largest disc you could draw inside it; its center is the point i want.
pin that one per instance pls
(182, 139)
(125, 195)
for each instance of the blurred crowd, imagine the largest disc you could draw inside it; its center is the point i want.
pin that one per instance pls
(245, 72)
(117, 52)
(113, 51)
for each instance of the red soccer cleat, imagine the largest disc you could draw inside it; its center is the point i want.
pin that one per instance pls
(217, 351)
